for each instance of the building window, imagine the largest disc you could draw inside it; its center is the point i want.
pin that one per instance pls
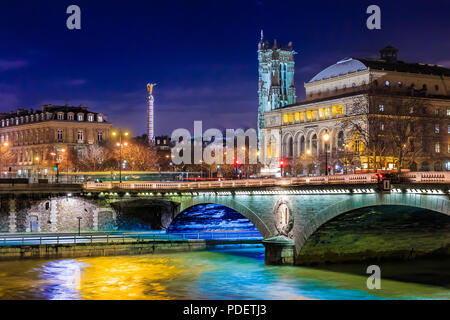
(448, 112)
(424, 87)
(436, 87)
(90, 118)
(80, 117)
(70, 117)
(436, 128)
(437, 147)
(80, 135)
(382, 127)
(99, 118)
(448, 128)
(60, 135)
(100, 136)
(388, 83)
(436, 112)
(400, 84)
(448, 148)
(381, 107)
(60, 116)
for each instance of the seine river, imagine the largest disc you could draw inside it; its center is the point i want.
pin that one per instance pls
(233, 273)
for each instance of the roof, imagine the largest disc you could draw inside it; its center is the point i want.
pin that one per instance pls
(350, 65)
(342, 67)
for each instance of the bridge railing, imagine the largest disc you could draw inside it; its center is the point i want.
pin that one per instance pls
(16, 240)
(416, 177)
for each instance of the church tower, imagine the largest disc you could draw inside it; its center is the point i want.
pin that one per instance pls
(276, 79)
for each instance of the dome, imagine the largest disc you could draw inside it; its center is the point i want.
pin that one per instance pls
(340, 68)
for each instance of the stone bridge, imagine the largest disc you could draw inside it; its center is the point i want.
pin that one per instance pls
(286, 215)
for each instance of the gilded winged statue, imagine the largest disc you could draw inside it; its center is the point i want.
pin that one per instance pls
(150, 87)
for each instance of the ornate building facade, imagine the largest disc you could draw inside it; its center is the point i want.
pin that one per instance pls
(401, 111)
(39, 139)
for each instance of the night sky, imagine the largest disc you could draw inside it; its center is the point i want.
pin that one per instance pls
(201, 54)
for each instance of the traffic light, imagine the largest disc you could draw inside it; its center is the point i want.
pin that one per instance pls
(281, 163)
(236, 162)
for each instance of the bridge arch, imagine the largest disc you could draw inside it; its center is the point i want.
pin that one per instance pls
(231, 203)
(440, 204)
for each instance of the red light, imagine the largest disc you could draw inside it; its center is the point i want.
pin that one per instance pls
(281, 163)
(236, 162)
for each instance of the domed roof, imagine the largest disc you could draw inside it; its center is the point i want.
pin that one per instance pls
(340, 68)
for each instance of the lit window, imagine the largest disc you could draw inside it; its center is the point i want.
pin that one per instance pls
(436, 112)
(448, 148)
(448, 128)
(80, 117)
(448, 112)
(90, 118)
(99, 118)
(436, 128)
(285, 118)
(290, 118)
(381, 107)
(437, 147)
(382, 127)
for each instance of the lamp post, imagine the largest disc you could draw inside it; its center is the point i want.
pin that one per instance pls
(326, 137)
(79, 225)
(121, 134)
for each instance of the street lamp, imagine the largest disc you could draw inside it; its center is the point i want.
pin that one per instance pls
(79, 225)
(326, 137)
(120, 144)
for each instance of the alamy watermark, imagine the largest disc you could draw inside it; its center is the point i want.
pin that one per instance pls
(374, 281)
(208, 147)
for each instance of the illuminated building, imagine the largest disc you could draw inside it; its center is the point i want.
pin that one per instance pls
(379, 86)
(41, 138)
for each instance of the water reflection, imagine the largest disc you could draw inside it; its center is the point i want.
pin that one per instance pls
(237, 273)
(62, 279)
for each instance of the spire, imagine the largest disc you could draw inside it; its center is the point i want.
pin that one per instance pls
(262, 35)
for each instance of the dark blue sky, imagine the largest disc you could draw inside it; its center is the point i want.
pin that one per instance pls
(202, 54)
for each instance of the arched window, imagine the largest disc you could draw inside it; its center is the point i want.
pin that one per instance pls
(302, 145)
(290, 147)
(314, 144)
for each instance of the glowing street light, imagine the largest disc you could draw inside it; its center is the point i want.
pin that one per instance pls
(120, 144)
(5, 144)
(326, 137)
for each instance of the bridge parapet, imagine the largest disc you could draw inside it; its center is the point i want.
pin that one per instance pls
(365, 178)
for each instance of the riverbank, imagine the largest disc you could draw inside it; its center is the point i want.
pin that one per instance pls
(71, 250)
(118, 248)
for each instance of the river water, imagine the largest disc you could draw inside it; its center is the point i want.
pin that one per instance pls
(225, 273)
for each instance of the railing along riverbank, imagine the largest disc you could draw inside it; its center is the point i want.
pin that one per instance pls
(21, 240)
